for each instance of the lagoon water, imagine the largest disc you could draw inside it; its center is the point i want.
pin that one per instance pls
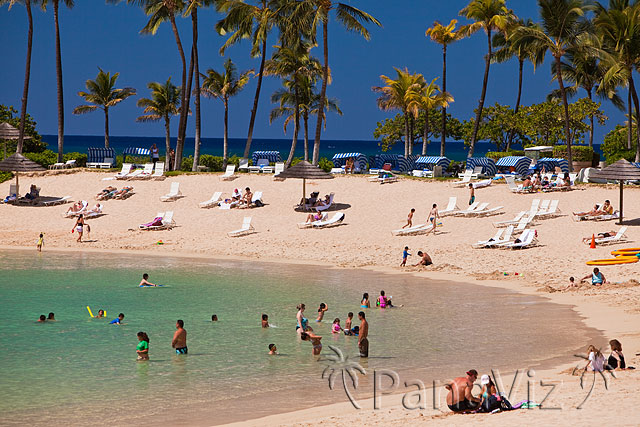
(80, 370)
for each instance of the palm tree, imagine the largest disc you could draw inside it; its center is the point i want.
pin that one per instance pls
(401, 94)
(103, 94)
(223, 86)
(490, 16)
(164, 103)
(69, 4)
(444, 35)
(161, 11)
(559, 32)
(431, 97)
(619, 27)
(506, 50)
(27, 69)
(308, 15)
(244, 20)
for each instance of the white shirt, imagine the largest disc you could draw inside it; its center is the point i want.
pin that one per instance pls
(596, 363)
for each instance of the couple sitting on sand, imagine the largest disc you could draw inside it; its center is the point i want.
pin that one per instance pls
(461, 400)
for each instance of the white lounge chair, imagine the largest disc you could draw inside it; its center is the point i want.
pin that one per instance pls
(513, 221)
(527, 239)
(336, 171)
(324, 217)
(336, 219)
(482, 184)
(94, 213)
(174, 193)
(278, 168)
(213, 201)
(496, 237)
(244, 164)
(386, 177)
(158, 173)
(466, 179)
(167, 222)
(523, 223)
(324, 207)
(126, 170)
(58, 201)
(620, 237)
(551, 211)
(416, 229)
(229, 174)
(535, 206)
(82, 210)
(513, 187)
(256, 196)
(247, 228)
(135, 174)
(451, 208)
(146, 172)
(486, 211)
(261, 163)
(474, 206)
(506, 238)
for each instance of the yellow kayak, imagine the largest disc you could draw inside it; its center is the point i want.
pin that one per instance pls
(626, 252)
(614, 261)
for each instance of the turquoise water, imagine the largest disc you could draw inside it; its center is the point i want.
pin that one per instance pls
(79, 369)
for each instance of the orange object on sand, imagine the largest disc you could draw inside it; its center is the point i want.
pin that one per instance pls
(593, 241)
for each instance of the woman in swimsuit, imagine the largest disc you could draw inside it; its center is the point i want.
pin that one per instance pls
(616, 359)
(315, 340)
(489, 394)
(433, 216)
(79, 227)
(364, 303)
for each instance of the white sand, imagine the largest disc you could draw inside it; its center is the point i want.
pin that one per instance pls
(365, 241)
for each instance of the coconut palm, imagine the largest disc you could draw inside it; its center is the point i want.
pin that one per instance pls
(401, 94)
(559, 32)
(56, 4)
(444, 35)
(308, 15)
(164, 103)
(223, 85)
(619, 28)
(431, 97)
(103, 94)
(254, 21)
(490, 16)
(27, 68)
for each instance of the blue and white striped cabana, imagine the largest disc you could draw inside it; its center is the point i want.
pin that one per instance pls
(488, 165)
(431, 161)
(136, 151)
(398, 162)
(550, 164)
(272, 156)
(98, 154)
(341, 158)
(520, 163)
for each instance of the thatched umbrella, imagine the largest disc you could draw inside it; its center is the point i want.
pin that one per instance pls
(304, 171)
(19, 163)
(8, 132)
(621, 171)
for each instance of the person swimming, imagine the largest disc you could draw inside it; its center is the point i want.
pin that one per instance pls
(145, 281)
(100, 313)
(265, 321)
(214, 317)
(52, 317)
(364, 303)
(118, 320)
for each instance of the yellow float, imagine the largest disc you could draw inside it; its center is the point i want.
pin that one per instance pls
(614, 261)
(626, 252)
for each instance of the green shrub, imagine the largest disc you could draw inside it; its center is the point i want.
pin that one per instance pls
(325, 164)
(48, 158)
(614, 147)
(495, 155)
(580, 153)
(5, 176)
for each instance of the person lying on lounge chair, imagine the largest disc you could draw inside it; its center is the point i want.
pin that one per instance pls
(75, 208)
(535, 182)
(566, 181)
(123, 192)
(599, 236)
(324, 202)
(313, 217)
(97, 209)
(605, 209)
(33, 193)
(106, 193)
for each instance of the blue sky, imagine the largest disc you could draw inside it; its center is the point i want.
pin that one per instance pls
(96, 34)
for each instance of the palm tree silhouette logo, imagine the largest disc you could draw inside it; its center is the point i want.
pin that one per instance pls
(584, 378)
(341, 366)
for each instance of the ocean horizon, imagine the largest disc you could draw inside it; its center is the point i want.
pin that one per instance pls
(455, 150)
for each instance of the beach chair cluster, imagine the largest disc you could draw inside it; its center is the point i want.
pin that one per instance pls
(148, 172)
(216, 200)
(261, 166)
(505, 239)
(66, 165)
(83, 209)
(162, 221)
(324, 222)
(477, 209)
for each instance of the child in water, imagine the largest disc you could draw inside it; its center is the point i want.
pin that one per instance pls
(214, 318)
(336, 328)
(52, 317)
(321, 310)
(143, 346)
(118, 319)
(40, 242)
(272, 349)
(364, 302)
(265, 321)
(347, 323)
(315, 340)
(100, 313)
(42, 318)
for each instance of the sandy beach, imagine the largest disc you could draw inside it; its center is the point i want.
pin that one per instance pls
(364, 240)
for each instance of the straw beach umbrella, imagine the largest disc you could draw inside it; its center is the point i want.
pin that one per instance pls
(9, 133)
(621, 171)
(304, 171)
(19, 163)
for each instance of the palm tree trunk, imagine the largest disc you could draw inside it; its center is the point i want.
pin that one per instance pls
(636, 103)
(254, 110)
(411, 128)
(27, 74)
(630, 116)
(406, 134)
(590, 122)
(323, 90)
(106, 127)
(566, 111)
(167, 138)
(425, 138)
(485, 80)
(196, 149)
(183, 131)
(184, 108)
(306, 135)
(296, 126)
(59, 81)
(511, 133)
(443, 135)
(225, 145)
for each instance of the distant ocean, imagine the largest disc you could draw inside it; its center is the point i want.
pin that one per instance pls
(455, 150)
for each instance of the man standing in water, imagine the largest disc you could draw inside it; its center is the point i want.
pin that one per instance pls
(460, 398)
(363, 342)
(179, 341)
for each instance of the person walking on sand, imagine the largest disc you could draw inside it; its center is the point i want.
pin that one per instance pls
(40, 242)
(425, 259)
(79, 227)
(363, 342)
(597, 278)
(459, 398)
(405, 255)
(409, 218)
(433, 217)
(472, 194)
(179, 341)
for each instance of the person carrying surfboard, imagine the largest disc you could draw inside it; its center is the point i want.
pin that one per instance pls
(145, 281)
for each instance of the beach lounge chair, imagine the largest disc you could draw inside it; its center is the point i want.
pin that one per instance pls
(527, 240)
(471, 208)
(486, 211)
(416, 229)
(549, 212)
(278, 168)
(451, 208)
(336, 171)
(162, 221)
(94, 213)
(386, 177)
(466, 179)
(620, 237)
(229, 174)
(336, 219)
(134, 174)
(261, 163)
(324, 217)
(506, 238)
(57, 201)
(513, 187)
(244, 164)
(213, 201)
(522, 224)
(82, 210)
(324, 207)
(158, 173)
(482, 184)
(126, 170)
(513, 221)
(496, 237)
(173, 194)
(146, 172)
(246, 228)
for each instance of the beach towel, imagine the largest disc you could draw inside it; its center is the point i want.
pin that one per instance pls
(526, 404)
(155, 223)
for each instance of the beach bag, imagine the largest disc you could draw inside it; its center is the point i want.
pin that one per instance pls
(490, 404)
(259, 203)
(505, 405)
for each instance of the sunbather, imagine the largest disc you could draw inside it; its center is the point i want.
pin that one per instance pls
(527, 184)
(605, 209)
(77, 207)
(313, 217)
(324, 202)
(97, 209)
(599, 235)
(33, 193)
(120, 194)
(106, 193)
(246, 197)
